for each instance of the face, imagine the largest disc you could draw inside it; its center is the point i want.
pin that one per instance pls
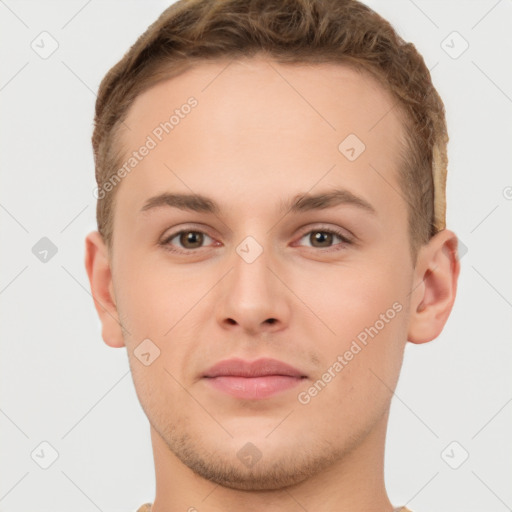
(253, 272)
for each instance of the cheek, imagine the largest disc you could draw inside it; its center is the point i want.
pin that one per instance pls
(154, 299)
(361, 331)
(359, 365)
(348, 300)
(165, 306)
(161, 396)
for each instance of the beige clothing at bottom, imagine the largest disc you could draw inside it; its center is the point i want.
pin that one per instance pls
(147, 508)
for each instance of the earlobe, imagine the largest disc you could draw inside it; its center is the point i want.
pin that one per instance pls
(435, 287)
(100, 278)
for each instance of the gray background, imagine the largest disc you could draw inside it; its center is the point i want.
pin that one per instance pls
(60, 383)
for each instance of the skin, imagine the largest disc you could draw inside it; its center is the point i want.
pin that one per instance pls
(252, 143)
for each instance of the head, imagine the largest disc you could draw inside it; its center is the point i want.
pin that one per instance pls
(252, 114)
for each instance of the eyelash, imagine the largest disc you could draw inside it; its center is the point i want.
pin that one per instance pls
(333, 231)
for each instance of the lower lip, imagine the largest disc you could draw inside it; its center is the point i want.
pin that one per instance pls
(253, 388)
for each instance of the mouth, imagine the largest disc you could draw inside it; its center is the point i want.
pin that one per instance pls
(255, 380)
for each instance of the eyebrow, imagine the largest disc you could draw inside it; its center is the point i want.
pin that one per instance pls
(297, 204)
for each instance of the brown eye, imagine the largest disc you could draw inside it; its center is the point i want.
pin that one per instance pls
(325, 239)
(191, 239)
(186, 241)
(321, 238)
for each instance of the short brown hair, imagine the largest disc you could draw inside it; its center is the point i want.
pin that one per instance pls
(289, 31)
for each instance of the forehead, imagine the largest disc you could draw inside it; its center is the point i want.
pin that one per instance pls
(258, 126)
(329, 96)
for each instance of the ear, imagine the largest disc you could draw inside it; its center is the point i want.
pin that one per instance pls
(435, 286)
(98, 269)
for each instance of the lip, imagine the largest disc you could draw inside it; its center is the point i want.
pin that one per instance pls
(253, 380)
(259, 368)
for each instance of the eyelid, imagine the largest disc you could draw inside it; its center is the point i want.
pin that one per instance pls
(343, 233)
(172, 232)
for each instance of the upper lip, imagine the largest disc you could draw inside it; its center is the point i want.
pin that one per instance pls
(259, 368)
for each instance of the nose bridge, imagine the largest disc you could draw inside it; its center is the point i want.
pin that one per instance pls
(252, 295)
(252, 279)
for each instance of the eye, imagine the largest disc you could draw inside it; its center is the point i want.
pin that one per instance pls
(323, 238)
(187, 239)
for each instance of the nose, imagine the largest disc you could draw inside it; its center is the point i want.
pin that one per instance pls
(253, 298)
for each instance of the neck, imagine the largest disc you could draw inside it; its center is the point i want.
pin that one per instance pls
(354, 484)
